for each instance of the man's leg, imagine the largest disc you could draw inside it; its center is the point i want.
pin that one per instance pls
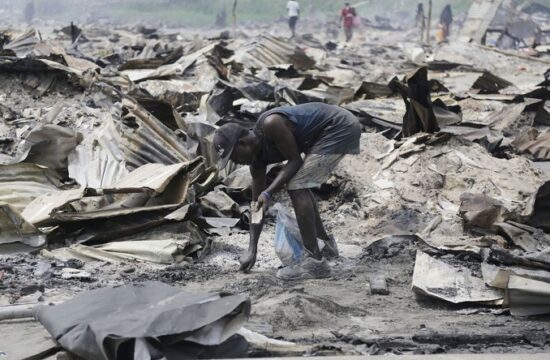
(319, 227)
(331, 248)
(305, 215)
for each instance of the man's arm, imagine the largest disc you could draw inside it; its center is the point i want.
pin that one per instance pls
(258, 184)
(276, 130)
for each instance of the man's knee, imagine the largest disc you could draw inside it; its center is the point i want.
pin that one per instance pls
(299, 196)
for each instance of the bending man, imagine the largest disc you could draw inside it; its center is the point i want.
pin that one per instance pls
(324, 133)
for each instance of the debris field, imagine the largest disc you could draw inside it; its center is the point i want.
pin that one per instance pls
(108, 179)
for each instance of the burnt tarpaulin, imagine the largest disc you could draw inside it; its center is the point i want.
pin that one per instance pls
(415, 90)
(148, 321)
(539, 208)
(488, 83)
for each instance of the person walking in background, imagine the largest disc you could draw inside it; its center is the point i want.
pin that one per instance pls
(293, 8)
(445, 21)
(347, 16)
(420, 16)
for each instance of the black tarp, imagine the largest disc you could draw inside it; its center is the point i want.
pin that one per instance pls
(415, 91)
(148, 321)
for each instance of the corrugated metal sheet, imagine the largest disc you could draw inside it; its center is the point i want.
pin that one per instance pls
(268, 51)
(109, 213)
(13, 228)
(40, 208)
(22, 183)
(155, 176)
(176, 68)
(24, 44)
(146, 141)
(175, 179)
(95, 166)
(479, 18)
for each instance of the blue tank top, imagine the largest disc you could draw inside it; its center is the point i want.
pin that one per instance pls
(319, 128)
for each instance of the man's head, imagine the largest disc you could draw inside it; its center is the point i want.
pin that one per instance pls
(346, 4)
(236, 143)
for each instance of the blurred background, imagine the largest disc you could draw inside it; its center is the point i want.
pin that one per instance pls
(203, 13)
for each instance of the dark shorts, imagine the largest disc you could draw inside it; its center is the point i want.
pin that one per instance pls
(292, 21)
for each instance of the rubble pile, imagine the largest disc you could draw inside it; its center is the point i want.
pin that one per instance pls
(107, 167)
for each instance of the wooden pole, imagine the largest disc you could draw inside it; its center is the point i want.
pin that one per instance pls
(429, 22)
(234, 17)
(17, 312)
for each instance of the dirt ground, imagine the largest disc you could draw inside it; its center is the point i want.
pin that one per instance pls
(336, 315)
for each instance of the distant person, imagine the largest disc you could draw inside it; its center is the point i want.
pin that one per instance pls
(28, 12)
(221, 18)
(348, 15)
(293, 8)
(445, 21)
(420, 19)
(324, 133)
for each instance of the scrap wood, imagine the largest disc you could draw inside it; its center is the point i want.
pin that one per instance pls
(511, 53)
(274, 346)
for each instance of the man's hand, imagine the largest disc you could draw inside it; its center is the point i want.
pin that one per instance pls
(247, 261)
(263, 203)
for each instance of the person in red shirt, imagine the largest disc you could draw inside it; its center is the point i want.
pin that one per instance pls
(347, 16)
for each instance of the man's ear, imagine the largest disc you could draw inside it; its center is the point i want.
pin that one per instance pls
(244, 141)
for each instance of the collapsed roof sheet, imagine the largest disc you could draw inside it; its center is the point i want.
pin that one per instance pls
(479, 18)
(22, 183)
(269, 51)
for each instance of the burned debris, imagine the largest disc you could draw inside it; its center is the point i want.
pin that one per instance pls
(109, 188)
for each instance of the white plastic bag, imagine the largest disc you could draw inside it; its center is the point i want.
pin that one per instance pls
(289, 246)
